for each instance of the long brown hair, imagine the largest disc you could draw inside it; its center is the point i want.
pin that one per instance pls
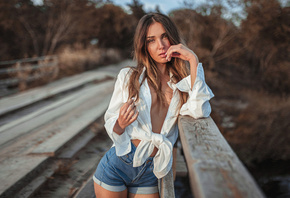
(176, 66)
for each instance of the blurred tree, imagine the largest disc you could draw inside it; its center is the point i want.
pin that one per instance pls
(209, 35)
(67, 21)
(15, 36)
(60, 21)
(259, 45)
(113, 27)
(266, 33)
(38, 30)
(157, 9)
(28, 30)
(137, 9)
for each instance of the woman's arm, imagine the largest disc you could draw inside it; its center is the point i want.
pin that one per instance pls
(184, 53)
(120, 112)
(193, 62)
(127, 115)
(197, 105)
(113, 122)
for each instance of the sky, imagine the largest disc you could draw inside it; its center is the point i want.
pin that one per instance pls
(165, 6)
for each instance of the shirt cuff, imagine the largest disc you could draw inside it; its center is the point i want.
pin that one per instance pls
(197, 104)
(185, 84)
(122, 142)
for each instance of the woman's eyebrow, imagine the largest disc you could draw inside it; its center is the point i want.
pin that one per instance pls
(150, 36)
(154, 36)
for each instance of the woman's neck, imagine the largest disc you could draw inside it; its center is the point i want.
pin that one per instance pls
(162, 67)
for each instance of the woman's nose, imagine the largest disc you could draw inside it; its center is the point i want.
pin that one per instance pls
(160, 44)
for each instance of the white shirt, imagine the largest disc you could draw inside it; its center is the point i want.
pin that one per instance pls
(196, 106)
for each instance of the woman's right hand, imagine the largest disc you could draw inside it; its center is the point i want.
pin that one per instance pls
(128, 114)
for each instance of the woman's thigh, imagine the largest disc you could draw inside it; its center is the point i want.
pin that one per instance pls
(155, 195)
(101, 192)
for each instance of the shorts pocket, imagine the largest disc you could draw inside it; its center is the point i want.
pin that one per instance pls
(140, 173)
(151, 167)
(127, 159)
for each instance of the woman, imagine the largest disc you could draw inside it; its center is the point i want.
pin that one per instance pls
(147, 99)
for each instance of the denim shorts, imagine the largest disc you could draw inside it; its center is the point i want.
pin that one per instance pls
(116, 173)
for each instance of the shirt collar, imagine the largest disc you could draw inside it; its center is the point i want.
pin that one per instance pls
(170, 83)
(142, 75)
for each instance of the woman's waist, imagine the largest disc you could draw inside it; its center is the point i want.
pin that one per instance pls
(136, 142)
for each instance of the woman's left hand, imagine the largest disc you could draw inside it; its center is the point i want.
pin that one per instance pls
(182, 52)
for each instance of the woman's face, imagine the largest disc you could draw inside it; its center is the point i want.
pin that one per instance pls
(157, 43)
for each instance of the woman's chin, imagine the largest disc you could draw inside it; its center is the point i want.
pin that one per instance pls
(162, 61)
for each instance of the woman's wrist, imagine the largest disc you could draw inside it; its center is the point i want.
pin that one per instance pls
(193, 60)
(118, 129)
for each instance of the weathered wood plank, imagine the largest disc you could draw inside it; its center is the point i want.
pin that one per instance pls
(31, 188)
(25, 60)
(166, 186)
(27, 123)
(181, 168)
(71, 149)
(16, 169)
(214, 169)
(20, 100)
(71, 129)
(11, 103)
(87, 191)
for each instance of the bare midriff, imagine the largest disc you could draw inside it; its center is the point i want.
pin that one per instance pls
(136, 143)
(157, 114)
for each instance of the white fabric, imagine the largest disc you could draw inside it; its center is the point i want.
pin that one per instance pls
(196, 106)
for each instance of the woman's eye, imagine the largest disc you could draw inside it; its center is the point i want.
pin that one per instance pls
(165, 36)
(150, 40)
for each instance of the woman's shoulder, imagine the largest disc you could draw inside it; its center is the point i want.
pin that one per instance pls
(126, 72)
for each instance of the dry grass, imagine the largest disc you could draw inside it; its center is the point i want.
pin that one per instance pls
(255, 123)
(64, 166)
(32, 77)
(73, 61)
(262, 130)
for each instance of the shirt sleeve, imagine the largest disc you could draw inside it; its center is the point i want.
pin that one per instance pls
(197, 105)
(119, 97)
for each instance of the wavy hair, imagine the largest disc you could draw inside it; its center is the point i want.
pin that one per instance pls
(178, 67)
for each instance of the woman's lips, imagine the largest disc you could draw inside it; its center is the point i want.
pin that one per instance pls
(162, 55)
